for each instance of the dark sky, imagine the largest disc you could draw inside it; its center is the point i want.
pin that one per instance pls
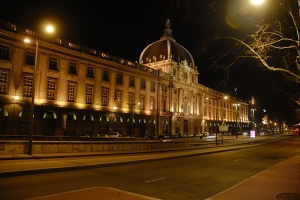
(125, 27)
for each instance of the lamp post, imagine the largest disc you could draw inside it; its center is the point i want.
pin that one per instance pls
(50, 30)
(216, 99)
(236, 118)
(131, 106)
(253, 118)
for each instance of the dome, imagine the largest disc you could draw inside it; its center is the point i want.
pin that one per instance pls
(165, 47)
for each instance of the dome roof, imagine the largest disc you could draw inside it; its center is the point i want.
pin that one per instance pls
(165, 47)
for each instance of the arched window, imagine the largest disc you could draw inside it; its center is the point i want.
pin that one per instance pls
(104, 118)
(71, 116)
(151, 121)
(24, 113)
(50, 115)
(131, 120)
(88, 117)
(119, 119)
(142, 121)
(3, 112)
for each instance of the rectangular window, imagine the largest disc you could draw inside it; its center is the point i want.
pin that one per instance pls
(185, 76)
(131, 81)
(71, 92)
(51, 89)
(53, 63)
(28, 82)
(30, 56)
(73, 66)
(120, 79)
(131, 97)
(105, 92)
(164, 104)
(152, 103)
(118, 98)
(152, 86)
(4, 52)
(89, 94)
(105, 75)
(3, 82)
(143, 84)
(142, 102)
(90, 72)
(174, 72)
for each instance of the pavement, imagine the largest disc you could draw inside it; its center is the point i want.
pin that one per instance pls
(281, 181)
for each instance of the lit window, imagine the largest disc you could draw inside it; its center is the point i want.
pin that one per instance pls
(152, 101)
(142, 102)
(105, 92)
(3, 82)
(28, 82)
(118, 98)
(71, 92)
(51, 90)
(89, 94)
(131, 97)
(30, 56)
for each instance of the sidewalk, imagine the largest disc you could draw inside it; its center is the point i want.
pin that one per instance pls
(281, 181)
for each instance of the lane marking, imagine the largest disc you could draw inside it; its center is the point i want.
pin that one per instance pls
(153, 180)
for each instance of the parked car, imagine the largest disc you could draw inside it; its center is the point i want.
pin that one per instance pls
(163, 137)
(197, 135)
(114, 134)
(151, 137)
(96, 135)
(205, 134)
(212, 135)
(125, 136)
(84, 135)
(182, 135)
(104, 135)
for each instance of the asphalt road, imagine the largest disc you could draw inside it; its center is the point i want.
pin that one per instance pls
(192, 177)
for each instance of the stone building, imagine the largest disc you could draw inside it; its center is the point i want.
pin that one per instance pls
(79, 90)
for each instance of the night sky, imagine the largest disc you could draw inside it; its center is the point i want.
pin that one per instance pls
(125, 27)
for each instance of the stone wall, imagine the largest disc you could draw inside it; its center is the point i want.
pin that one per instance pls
(76, 147)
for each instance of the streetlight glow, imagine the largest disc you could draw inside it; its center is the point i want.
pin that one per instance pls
(49, 29)
(257, 2)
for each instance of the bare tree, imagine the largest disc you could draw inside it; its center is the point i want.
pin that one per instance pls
(274, 45)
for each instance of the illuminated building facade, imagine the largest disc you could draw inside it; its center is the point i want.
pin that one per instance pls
(79, 90)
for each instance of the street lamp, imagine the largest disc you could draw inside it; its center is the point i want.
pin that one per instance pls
(257, 2)
(236, 117)
(253, 126)
(48, 29)
(216, 99)
(131, 106)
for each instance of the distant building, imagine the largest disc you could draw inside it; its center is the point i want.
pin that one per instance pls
(79, 90)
